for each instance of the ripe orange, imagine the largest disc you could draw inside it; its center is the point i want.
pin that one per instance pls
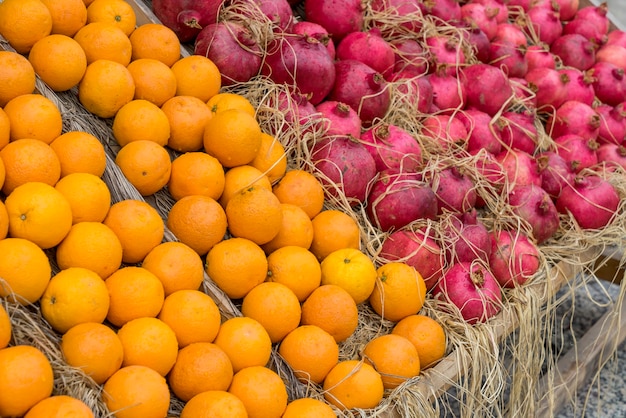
(145, 164)
(308, 408)
(394, 357)
(352, 270)
(301, 188)
(275, 306)
(130, 219)
(59, 60)
(236, 265)
(154, 81)
(102, 40)
(245, 341)
(60, 406)
(26, 378)
(334, 230)
(149, 342)
(94, 348)
(177, 266)
(400, 291)
(68, 16)
(197, 76)
(155, 41)
(25, 270)
(193, 316)
(233, 137)
(5, 137)
(331, 308)
(116, 12)
(29, 160)
(140, 120)
(198, 221)
(271, 158)
(134, 293)
(241, 177)
(426, 334)
(295, 267)
(4, 220)
(34, 116)
(310, 351)
(74, 296)
(24, 22)
(91, 245)
(214, 404)
(225, 101)
(200, 367)
(79, 152)
(5, 327)
(254, 213)
(88, 195)
(296, 229)
(136, 391)
(40, 213)
(17, 76)
(188, 116)
(196, 173)
(353, 384)
(106, 87)
(261, 390)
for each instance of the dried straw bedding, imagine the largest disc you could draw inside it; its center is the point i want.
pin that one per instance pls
(502, 362)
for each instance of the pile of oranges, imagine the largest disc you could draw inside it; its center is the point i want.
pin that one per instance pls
(126, 302)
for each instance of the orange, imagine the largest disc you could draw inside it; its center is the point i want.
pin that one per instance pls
(154, 81)
(236, 265)
(117, 12)
(261, 390)
(4, 220)
(26, 378)
(101, 40)
(426, 334)
(149, 342)
(331, 308)
(131, 219)
(177, 266)
(24, 22)
(193, 316)
(25, 270)
(34, 116)
(334, 230)
(80, 152)
(271, 158)
(17, 76)
(134, 293)
(91, 245)
(296, 229)
(68, 16)
(197, 221)
(254, 213)
(225, 101)
(145, 164)
(241, 177)
(233, 137)
(200, 367)
(136, 391)
(188, 116)
(5, 327)
(74, 296)
(197, 76)
(394, 357)
(400, 291)
(308, 408)
(352, 270)
(140, 120)
(88, 195)
(196, 173)
(214, 404)
(5, 136)
(59, 61)
(275, 306)
(94, 348)
(353, 384)
(310, 351)
(301, 188)
(155, 41)
(106, 87)
(27, 160)
(245, 341)
(60, 406)
(295, 267)
(40, 213)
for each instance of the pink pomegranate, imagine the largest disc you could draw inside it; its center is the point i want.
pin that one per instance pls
(392, 148)
(514, 258)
